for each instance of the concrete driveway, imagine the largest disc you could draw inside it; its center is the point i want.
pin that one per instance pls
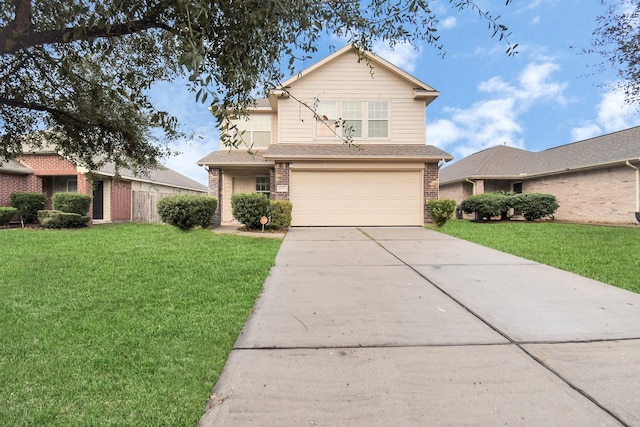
(410, 327)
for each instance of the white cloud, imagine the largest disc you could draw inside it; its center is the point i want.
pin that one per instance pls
(192, 150)
(612, 115)
(496, 120)
(449, 23)
(402, 55)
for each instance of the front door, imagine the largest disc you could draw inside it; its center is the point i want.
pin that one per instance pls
(98, 200)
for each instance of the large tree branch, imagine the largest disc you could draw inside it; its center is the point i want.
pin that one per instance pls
(18, 35)
(57, 112)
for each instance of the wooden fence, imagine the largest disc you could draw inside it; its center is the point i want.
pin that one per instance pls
(144, 206)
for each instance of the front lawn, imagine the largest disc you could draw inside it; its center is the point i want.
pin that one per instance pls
(125, 324)
(605, 253)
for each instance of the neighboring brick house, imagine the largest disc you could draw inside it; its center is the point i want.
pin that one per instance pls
(385, 178)
(112, 197)
(595, 180)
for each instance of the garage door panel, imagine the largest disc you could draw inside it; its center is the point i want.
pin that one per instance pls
(356, 198)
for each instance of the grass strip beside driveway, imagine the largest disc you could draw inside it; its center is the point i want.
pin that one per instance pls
(605, 253)
(126, 324)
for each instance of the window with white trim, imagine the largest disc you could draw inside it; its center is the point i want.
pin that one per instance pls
(263, 185)
(327, 116)
(354, 119)
(254, 130)
(378, 119)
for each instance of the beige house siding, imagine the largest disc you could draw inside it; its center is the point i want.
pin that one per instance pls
(601, 195)
(344, 79)
(234, 182)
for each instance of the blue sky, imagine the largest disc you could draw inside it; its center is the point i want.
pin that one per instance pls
(549, 94)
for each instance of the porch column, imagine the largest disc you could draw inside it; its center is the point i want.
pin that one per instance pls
(431, 184)
(281, 178)
(215, 190)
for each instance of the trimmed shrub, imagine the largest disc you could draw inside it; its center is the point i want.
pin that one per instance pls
(280, 214)
(535, 205)
(6, 213)
(28, 205)
(248, 208)
(59, 219)
(441, 210)
(72, 202)
(486, 205)
(187, 211)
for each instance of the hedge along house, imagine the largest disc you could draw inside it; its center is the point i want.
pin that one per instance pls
(113, 198)
(384, 178)
(595, 180)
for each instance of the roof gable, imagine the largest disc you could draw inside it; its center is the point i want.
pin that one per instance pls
(421, 89)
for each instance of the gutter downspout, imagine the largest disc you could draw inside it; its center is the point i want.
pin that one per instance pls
(473, 183)
(637, 188)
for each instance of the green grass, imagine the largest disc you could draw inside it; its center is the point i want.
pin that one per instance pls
(124, 324)
(605, 253)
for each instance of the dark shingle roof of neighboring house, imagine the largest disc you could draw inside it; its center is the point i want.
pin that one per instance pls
(508, 162)
(162, 176)
(236, 157)
(15, 167)
(361, 151)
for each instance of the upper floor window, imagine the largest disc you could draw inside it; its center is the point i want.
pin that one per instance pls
(254, 130)
(378, 119)
(355, 119)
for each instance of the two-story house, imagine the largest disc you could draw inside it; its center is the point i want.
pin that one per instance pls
(385, 177)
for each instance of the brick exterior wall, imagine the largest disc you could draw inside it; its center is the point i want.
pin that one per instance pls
(281, 178)
(215, 190)
(430, 187)
(602, 195)
(120, 201)
(49, 164)
(10, 183)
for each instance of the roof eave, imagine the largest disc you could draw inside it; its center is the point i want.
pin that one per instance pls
(288, 157)
(239, 165)
(584, 168)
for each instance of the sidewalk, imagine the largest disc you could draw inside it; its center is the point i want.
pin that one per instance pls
(406, 326)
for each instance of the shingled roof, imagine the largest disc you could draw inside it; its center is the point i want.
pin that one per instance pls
(15, 167)
(162, 176)
(359, 152)
(502, 162)
(235, 157)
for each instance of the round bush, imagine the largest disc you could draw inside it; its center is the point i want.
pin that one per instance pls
(280, 214)
(248, 208)
(441, 210)
(187, 211)
(6, 213)
(28, 205)
(486, 205)
(535, 205)
(72, 202)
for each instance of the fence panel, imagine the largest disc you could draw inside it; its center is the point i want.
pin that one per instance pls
(145, 206)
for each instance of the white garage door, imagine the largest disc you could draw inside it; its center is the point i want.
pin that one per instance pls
(324, 198)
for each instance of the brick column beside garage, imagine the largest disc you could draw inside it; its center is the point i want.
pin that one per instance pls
(215, 190)
(281, 180)
(430, 187)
